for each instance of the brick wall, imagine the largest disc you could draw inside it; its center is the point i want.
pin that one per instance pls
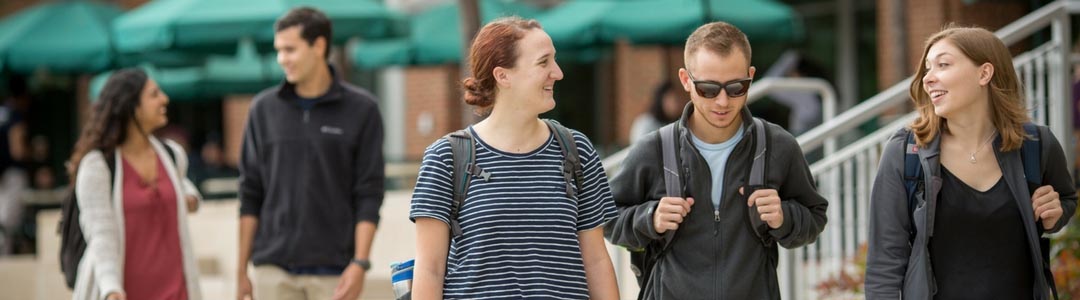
(923, 18)
(8, 7)
(638, 70)
(234, 113)
(433, 106)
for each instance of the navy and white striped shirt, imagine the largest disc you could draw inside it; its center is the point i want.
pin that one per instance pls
(519, 229)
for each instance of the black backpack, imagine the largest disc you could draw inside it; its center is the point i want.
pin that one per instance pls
(72, 242)
(1030, 154)
(643, 260)
(464, 155)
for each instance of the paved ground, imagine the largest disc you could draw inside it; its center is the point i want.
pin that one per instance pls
(214, 233)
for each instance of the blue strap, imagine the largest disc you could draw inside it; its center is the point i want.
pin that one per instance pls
(912, 174)
(1031, 154)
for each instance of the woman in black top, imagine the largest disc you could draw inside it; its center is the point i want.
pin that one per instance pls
(975, 229)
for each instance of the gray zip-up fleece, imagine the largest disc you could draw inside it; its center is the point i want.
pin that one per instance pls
(311, 175)
(895, 267)
(716, 256)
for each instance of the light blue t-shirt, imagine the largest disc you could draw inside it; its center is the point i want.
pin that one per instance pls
(716, 155)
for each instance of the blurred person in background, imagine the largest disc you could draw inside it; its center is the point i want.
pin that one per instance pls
(210, 164)
(666, 107)
(13, 152)
(134, 213)
(804, 106)
(311, 174)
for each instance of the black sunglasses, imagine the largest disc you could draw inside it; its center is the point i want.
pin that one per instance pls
(710, 89)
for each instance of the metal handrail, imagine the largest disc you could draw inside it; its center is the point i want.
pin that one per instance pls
(1050, 14)
(833, 127)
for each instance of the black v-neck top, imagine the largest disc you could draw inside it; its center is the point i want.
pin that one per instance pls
(979, 248)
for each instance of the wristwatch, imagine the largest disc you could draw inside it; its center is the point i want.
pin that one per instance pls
(363, 263)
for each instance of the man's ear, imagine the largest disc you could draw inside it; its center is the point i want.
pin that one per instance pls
(684, 79)
(320, 46)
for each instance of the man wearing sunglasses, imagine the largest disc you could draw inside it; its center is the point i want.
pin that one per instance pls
(704, 245)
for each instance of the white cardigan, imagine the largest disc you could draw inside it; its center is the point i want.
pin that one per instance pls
(102, 221)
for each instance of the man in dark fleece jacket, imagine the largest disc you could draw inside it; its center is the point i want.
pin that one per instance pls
(311, 174)
(714, 252)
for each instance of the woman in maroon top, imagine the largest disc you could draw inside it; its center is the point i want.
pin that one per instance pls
(134, 212)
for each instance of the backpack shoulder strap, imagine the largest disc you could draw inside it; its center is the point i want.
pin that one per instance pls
(757, 179)
(669, 138)
(110, 161)
(168, 145)
(1031, 152)
(1031, 155)
(912, 170)
(913, 180)
(571, 167)
(672, 176)
(464, 155)
(757, 169)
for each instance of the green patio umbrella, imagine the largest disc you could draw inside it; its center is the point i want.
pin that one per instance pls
(247, 72)
(574, 24)
(436, 33)
(377, 54)
(671, 21)
(434, 36)
(67, 37)
(179, 83)
(212, 25)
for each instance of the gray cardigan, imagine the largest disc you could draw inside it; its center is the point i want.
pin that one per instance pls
(896, 268)
(102, 222)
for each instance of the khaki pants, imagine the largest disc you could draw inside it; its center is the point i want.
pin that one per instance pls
(273, 283)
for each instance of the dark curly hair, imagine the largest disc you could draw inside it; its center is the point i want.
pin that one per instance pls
(110, 116)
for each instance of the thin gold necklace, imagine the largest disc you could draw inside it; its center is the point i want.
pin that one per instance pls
(979, 148)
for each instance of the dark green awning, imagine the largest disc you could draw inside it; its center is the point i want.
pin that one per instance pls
(434, 36)
(245, 73)
(671, 21)
(207, 25)
(70, 36)
(582, 29)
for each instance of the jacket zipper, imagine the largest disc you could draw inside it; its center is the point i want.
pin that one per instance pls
(306, 113)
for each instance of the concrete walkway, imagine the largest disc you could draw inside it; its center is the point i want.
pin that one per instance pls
(214, 232)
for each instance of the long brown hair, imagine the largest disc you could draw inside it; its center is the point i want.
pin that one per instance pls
(107, 126)
(495, 46)
(1007, 111)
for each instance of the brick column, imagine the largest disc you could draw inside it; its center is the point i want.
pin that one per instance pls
(923, 18)
(234, 114)
(638, 70)
(433, 106)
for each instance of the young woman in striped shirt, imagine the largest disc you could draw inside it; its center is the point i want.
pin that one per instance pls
(522, 235)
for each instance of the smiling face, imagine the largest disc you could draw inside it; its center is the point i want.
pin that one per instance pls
(298, 59)
(722, 113)
(530, 84)
(151, 111)
(953, 82)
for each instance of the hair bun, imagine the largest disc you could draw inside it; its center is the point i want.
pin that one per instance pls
(475, 93)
